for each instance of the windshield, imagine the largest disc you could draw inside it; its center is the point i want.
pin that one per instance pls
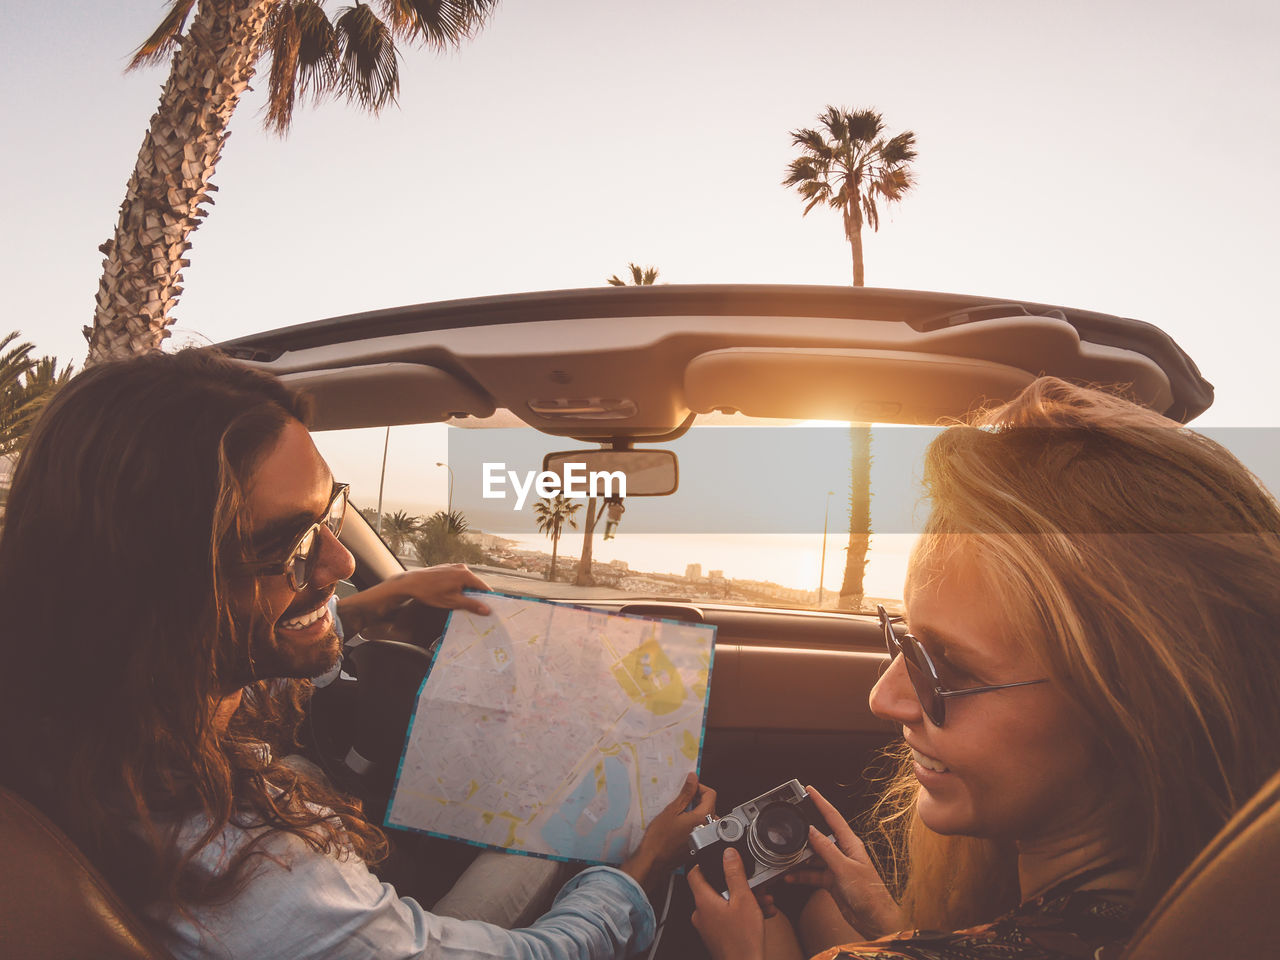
(762, 515)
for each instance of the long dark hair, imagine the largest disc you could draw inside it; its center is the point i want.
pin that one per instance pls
(115, 635)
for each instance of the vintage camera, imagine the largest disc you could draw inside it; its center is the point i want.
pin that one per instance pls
(770, 833)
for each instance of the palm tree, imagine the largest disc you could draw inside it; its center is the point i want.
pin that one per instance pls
(439, 539)
(855, 562)
(353, 56)
(454, 522)
(640, 276)
(26, 385)
(849, 168)
(552, 515)
(583, 577)
(398, 528)
(15, 362)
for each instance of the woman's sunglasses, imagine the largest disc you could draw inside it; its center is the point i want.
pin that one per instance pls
(923, 674)
(299, 565)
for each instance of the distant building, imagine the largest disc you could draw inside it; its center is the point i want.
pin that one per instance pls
(693, 571)
(716, 574)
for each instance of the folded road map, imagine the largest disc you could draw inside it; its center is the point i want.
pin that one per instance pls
(553, 730)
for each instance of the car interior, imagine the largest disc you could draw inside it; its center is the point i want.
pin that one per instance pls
(630, 367)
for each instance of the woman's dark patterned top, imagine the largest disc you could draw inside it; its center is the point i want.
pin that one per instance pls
(1056, 926)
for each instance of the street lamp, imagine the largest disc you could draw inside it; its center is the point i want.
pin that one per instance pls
(449, 508)
(822, 570)
(382, 477)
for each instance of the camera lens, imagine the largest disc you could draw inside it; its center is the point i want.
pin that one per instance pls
(778, 836)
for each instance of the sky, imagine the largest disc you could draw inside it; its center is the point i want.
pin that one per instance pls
(1109, 156)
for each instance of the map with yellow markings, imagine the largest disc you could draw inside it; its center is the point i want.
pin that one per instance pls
(554, 730)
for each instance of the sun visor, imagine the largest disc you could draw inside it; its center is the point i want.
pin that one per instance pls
(387, 394)
(861, 385)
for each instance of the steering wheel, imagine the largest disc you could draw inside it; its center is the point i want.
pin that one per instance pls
(358, 728)
(414, 623)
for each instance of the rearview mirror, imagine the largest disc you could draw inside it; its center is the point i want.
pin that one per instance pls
(614, 473)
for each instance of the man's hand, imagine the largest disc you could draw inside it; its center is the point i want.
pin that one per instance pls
(439, 586)
(849, 876)
(665, 843)
(732, 929)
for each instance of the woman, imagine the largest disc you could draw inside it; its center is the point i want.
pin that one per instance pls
(1086, 695)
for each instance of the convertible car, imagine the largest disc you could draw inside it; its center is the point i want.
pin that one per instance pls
(754, 390)
(768, 378)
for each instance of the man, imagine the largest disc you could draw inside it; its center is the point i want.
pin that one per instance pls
(166, 574)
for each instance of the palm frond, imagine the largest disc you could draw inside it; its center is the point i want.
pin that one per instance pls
(813, 142)
(26, 385)
(15, 362)
(870, 214)
(284, 41)
(158, 46)
(640, 276)
(815, 202)
(893, 183)
(317, 50)
(899, 149)
(817, 191)
(304, 59)
(836, 122)
(368, 57)
(864, 125)
(45, 376)
(801, 170)
(552, 514)
(8, 339)
(453, 522)
(438, 23)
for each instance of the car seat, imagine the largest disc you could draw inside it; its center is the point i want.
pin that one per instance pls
(1225, 903)
(54, 905)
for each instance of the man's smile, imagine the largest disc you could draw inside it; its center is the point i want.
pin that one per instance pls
(310, 616)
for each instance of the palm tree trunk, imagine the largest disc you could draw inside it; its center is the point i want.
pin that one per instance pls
(853, 230)
(142, 273)
(855, 564)
(555, 545)
(584, 578)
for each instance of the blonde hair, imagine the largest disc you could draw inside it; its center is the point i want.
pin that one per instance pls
(1141, 564)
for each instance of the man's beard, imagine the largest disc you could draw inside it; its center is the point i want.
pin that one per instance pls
(273, 653)
(275, 658)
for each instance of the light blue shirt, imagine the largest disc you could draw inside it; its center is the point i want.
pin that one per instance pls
(299, 904)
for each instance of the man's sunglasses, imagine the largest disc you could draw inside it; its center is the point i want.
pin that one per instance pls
(299, 565)
(923, 674)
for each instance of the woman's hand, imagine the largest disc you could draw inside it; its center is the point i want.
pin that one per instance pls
(732, 929)
(850, 876)
(665, 844)
(438, 586)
